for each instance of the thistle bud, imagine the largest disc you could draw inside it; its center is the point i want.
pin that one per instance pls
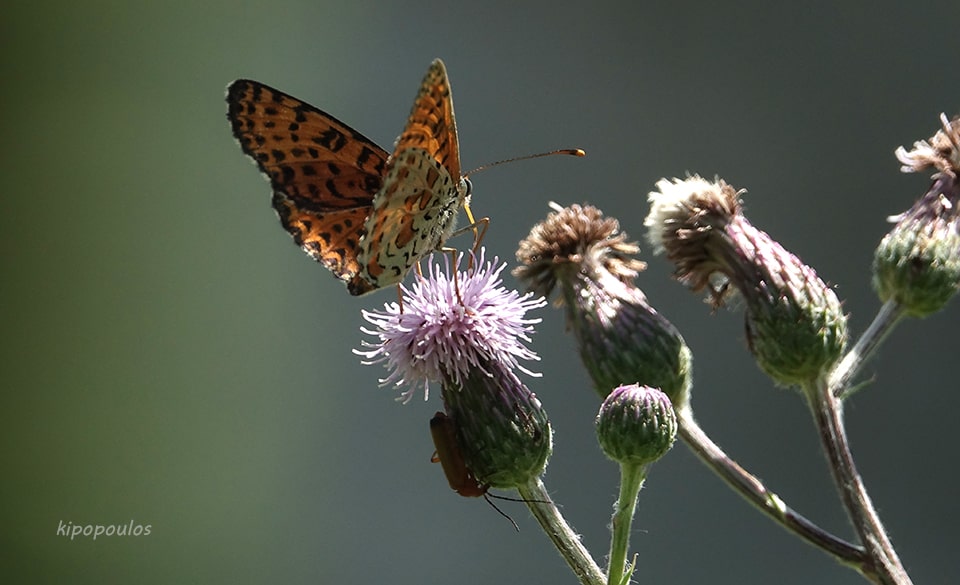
(795, 325)
(620, 337)
(917, 264)
(502, 429)
(636, 425)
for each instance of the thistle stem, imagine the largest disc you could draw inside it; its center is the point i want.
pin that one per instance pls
(632, 477)
(560, 533)
(882, 565)
(887, 318)
(768, 502)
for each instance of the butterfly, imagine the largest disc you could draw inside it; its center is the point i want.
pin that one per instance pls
(366, 215)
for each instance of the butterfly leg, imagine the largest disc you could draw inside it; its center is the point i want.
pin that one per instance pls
(478, 235)
(456, 279)
(400, 298)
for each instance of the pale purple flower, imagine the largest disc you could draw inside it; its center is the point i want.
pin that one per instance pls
(435, 337)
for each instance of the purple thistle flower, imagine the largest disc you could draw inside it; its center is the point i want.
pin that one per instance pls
(435, 337)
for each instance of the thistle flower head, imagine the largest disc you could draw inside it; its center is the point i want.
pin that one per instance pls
(436, 337)
(636, 424)
(621, 338)
(502, 430)
(684, 215)
(941, 151)
(795, 325)
(570, 239)
(917, 264)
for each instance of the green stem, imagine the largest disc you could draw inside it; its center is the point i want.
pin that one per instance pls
(887, 318)
(768, 502)
(883, 564)
(560, 533)
(632, 477)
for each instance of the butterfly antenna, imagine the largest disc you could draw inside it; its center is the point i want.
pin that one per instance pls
(568, 151)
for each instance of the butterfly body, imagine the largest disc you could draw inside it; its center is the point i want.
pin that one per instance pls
(366, 215)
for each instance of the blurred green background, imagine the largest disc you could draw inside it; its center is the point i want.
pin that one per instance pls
(171, 358)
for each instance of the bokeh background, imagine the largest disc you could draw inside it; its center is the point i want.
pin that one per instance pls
(171, 358)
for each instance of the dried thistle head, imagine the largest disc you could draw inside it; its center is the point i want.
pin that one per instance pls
(575, 238)
(917, 264)
(941, 151)
(795, 324)
(621, 338)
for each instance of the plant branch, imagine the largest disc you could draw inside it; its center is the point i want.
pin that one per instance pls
(753, 490)
(883, 564)
(631, 480)
(561, 534)
(843, 373)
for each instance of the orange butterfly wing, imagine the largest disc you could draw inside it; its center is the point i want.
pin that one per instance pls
(324, 174)
(431, 125)
(416, 209)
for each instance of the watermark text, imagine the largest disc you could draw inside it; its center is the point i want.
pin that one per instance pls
(95, 531)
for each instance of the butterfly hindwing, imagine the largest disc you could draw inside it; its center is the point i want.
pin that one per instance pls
(413, 214)
(329, 237)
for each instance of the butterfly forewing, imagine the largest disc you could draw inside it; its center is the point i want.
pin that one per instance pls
(431, 125)
(323, 173)
(416, 209)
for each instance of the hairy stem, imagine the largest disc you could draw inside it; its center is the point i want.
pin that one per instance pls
(841, 376)
(631, 480)
(883, 563)
(560, 533)
(753, 490)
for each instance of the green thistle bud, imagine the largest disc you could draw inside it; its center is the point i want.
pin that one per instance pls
(636, 424)
(621, 338)
(795, 325)
(502, 429)
(917, 264)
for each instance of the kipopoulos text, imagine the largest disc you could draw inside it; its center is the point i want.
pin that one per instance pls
(95, 531)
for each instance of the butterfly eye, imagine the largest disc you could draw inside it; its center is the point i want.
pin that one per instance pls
(469, 188)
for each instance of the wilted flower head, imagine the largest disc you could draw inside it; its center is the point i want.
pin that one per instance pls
(795, 325)
(621, 338)
(570, 238)
(434, 336)
(917, 264)
(941, 151)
